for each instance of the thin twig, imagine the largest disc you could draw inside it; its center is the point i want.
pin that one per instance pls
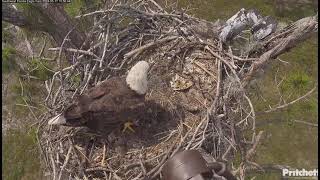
(292, 102)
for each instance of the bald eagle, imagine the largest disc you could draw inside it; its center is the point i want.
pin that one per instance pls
(109, 104)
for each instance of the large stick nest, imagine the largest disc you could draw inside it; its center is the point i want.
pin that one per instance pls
(196, 94)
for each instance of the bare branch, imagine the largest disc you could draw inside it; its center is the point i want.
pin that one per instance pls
(292, 102)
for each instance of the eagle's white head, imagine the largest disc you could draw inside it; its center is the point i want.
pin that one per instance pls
(137, 77)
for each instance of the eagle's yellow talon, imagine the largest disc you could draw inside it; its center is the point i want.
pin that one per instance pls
(128, 125)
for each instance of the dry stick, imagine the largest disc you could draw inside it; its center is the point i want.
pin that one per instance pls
(146, 46)
(79, 149)
(195, 133)
(53, 167)
(251, 151)
(161, 162)
(98, 169)
(292, 102)
(29, 47)
(307, 123)
(75, 51)
(105, 46)
(252, 112)
(61, 47)
(158, 6)
(46, 67)
(89, 77)
(301, 30)
(277, 86)
(22, 94)
(50, 88)
(105, 175)
(234, 73)
(138, 176)
(39, 142)
(168, 136)
(203, 136)
(279, 35)
(70, 68)
(95, 12)
(206, 70)
(230, 142)
(213, 107)
(56, 95)
(241, 59)
(130, 166)
(175, 16)
(244, 119)
(114, 173)
(76, 154)
(173, 153)
(226, 152)
(232, 58)
(65, 162)
(144, 172)
(232, 67)
(43, 47)
(33, 114)
(103, 155)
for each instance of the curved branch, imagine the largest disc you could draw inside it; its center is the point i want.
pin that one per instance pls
(282, 41)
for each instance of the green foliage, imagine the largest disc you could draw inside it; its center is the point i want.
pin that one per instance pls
(75, 7)
(76, 79)
(303, 57)
(29, 90)
(237, 159)
(20, 156)
(8, 61)
(265, 176)
(296, 11)
(213, 10)
(290, 143)
(7, 37)
(78, 7)
(301, 74)
(298, 82)
(40, 69)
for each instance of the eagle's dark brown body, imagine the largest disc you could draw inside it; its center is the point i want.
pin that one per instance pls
(105, 107)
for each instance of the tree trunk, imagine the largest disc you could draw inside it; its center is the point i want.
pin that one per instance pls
(50, 18)
(15, 17)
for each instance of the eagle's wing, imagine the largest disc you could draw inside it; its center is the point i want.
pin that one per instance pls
(106, 106)
(100, 90)
(118, 98)
(83, 102)
(115, 107)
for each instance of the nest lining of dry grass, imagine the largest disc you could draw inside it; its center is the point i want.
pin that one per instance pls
(208, 110)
